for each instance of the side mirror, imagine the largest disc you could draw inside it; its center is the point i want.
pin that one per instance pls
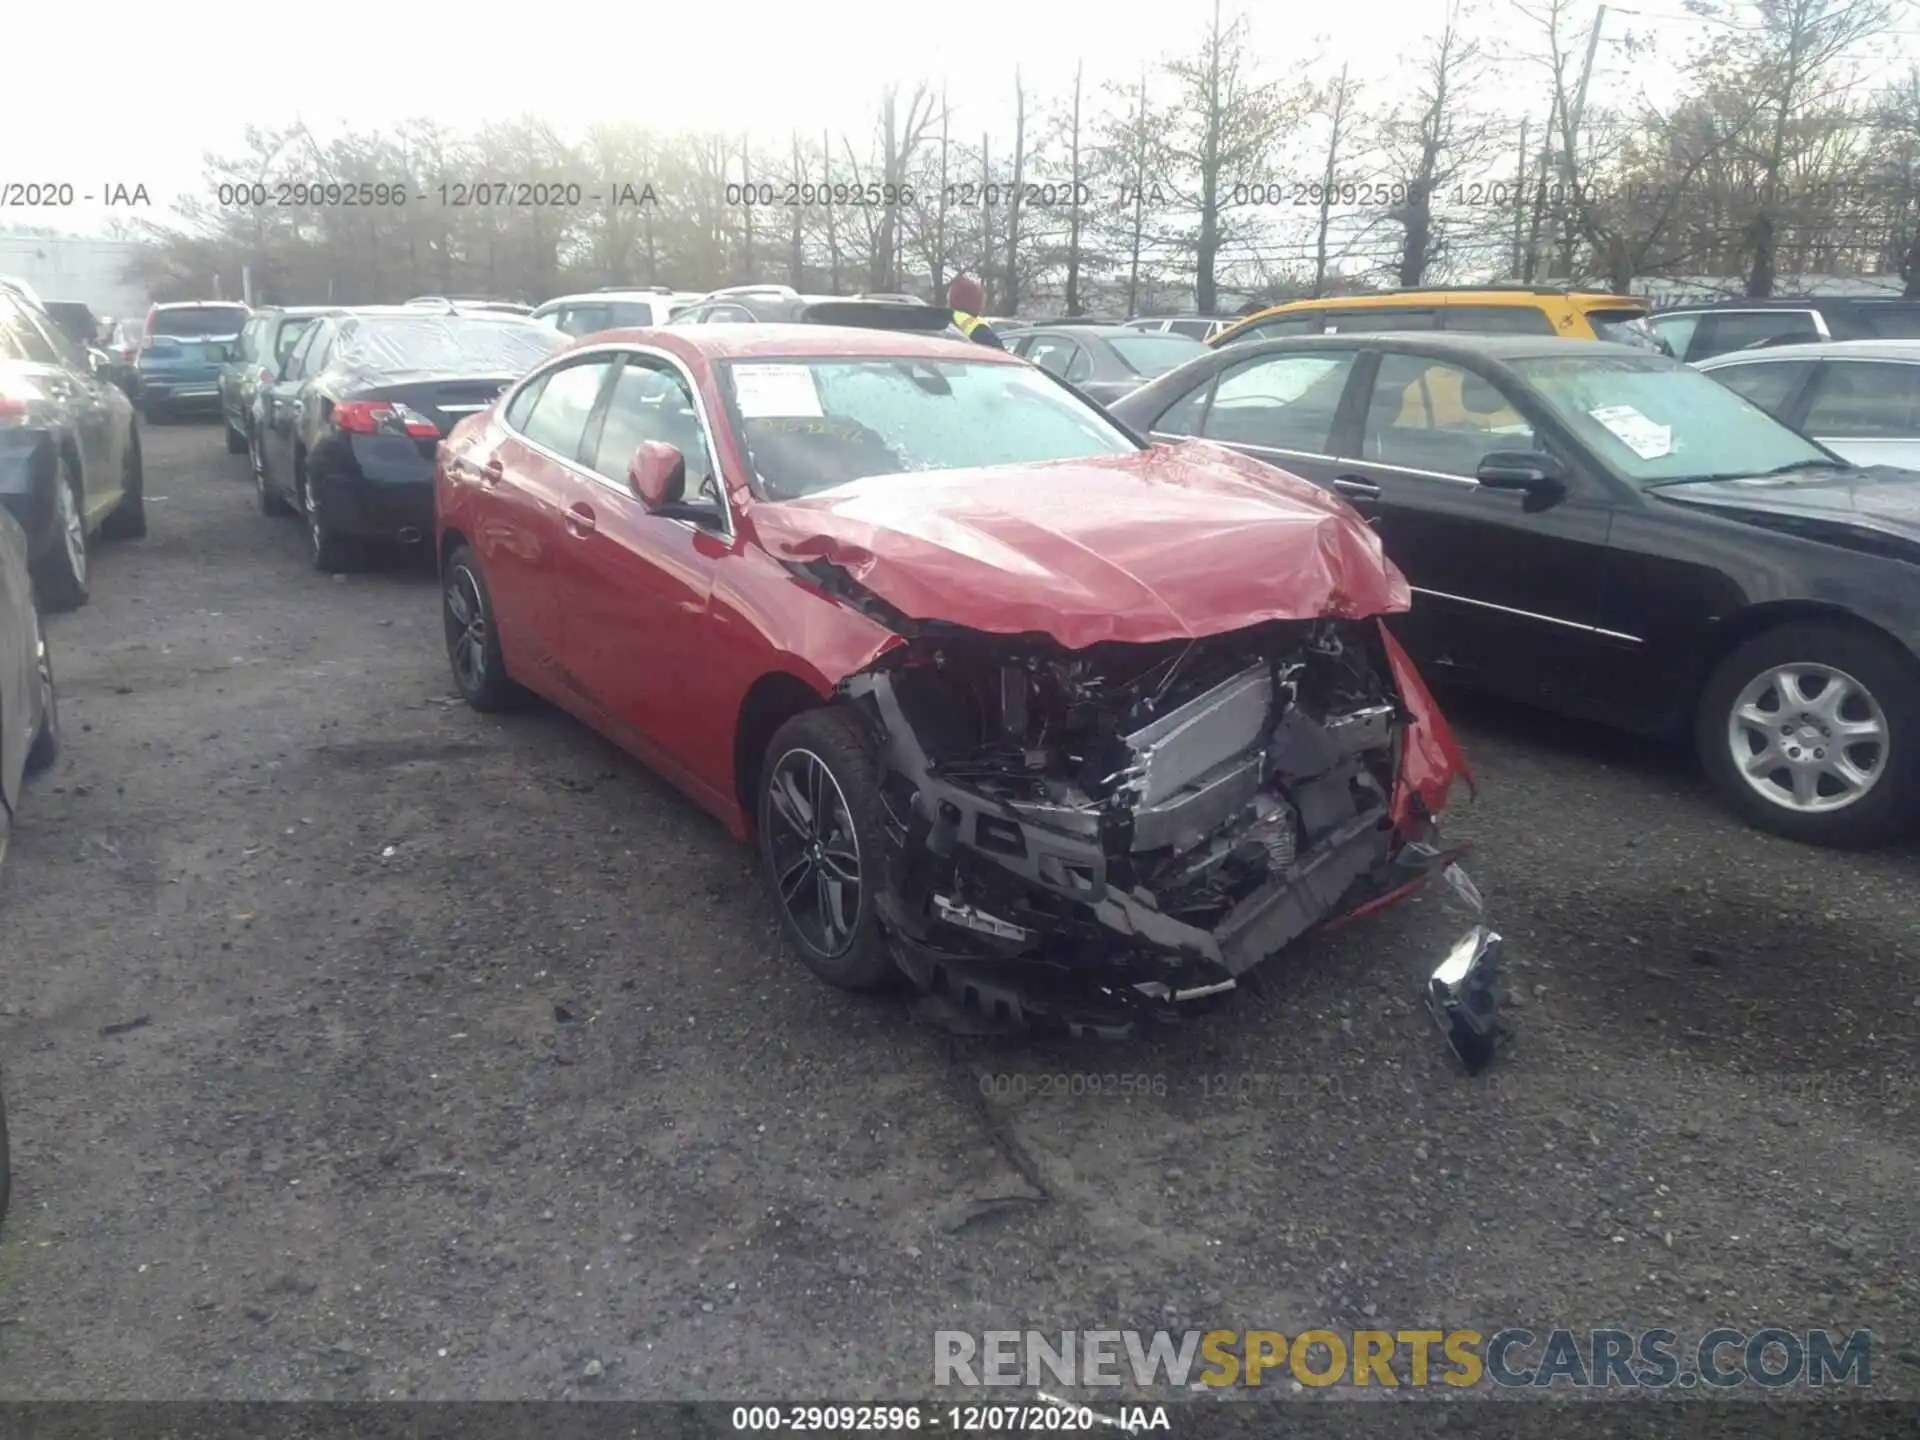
(658, 474)
(1530, 470)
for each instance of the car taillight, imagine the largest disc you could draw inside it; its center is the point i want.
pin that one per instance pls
(267, 377)
(383, 417)
(15, 398)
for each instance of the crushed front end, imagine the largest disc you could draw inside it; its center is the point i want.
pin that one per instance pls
(1095, 839)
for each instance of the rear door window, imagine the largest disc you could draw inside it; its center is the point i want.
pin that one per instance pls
(193, 321)
(1281, 402)
(1427, 415)
(581, 319)
(1197, 329)
(1498, 319)
(1385, 317)
(558, 419)
(1865, 400)
(1627, 327)
(1677, 331)
(1769, 384)
(1891, 322)
(1311, 323)
(1723, 332)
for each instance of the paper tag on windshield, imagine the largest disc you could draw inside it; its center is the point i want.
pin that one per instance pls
(775, 392)
(1635, 431)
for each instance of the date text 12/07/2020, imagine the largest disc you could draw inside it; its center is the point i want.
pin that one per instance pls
(455, 194)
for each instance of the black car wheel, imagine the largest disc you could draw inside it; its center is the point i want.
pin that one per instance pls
(272, 502)
(236, 440)
(129, 518)
(473, 640)
(62, 571)
(46, 736)
(1812, 730)
(331, 551)
(822, 840)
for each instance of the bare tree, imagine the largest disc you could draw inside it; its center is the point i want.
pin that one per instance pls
(1130, 146)
(1075, 217)
(1337, 103)
(1224, 125)
(1012, 299)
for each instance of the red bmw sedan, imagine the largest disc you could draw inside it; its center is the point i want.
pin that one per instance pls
(1072, 729)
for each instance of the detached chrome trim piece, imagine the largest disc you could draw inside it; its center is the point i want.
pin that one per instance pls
(1528, 615)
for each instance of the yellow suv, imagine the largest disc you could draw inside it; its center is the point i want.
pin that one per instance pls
(1499, 310)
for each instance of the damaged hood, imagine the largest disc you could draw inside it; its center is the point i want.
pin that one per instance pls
(1176, 541)
(1875, 508)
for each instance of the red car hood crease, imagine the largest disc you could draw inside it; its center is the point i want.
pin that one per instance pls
(1169, 543)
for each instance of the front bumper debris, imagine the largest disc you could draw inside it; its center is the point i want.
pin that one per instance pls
(1023, 913)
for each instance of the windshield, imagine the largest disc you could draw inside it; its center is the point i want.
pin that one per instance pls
(192, 321)
(1152, 354)
(810, 425)
(458, 344)
(1655, 420)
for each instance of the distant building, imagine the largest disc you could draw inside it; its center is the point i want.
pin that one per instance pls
(71, 267)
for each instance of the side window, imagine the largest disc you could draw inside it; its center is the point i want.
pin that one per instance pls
(728, 315)
(522, 404)
(1677, 331)
(558, 418)
(31, 339)
(1431, 416)
(1891, 322)
(1184, 415)
(1498, 319)
(1197, 329)
(297, 361)
(1737, 329)
(60, 344)
(1080, 366)
(321, 350)
(1052, 354)
(287, 336)
(1309, 324)
(692, 315)
(1371, 320)
(1768, 384)
(650, 401)
(583, 319)
(1285, 402)
(1863, 400)
(628, 315)
(10, 323)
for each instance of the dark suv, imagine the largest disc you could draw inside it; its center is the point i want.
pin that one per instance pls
(1699, 332)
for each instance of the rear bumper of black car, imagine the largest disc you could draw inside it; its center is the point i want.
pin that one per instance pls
(373, 487)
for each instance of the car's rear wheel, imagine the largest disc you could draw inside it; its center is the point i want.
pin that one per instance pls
(473, 640)
(272, 502)
(129, 518)
(1812, 730)
(236, 440)
(822, 845)
(46, 736)
(62, 572)
(331, 551)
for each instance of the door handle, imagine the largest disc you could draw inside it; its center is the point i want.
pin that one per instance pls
(580, 519)
(1356, 488)
(493, 472)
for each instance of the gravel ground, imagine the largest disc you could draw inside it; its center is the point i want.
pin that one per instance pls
(464, 1062)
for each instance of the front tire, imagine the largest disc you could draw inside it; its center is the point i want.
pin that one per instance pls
(129, 518)
(1812, 730)
(62, 572)
(822, 845)
(473, 639)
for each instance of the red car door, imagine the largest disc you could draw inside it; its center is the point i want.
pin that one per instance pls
(523, 483)
(636, 585)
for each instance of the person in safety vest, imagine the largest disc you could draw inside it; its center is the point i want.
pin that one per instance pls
(968, 300)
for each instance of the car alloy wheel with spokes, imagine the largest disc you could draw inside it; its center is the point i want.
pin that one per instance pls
(1812, 730)
(1808, 736)
(823, 840)
(61, 574)
(816, 855)
(473, 640)
(73, 531)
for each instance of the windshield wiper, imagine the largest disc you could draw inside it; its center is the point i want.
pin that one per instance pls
(1819, 464)
(1789, 468)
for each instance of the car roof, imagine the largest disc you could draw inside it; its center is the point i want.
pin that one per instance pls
(1822, 350)
(804, 342)
(1803, 302)
(201, 305)
(1127, 332)
(302, 312)
(1442, 344)
(1444, 294)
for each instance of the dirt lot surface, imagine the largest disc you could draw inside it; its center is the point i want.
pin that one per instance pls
(356, 1045)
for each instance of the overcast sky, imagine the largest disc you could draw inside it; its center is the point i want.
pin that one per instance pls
(153, 95)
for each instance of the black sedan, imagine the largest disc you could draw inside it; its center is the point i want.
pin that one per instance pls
(347, 435)
(69, 450)
(1104, 362)
(1616, 536)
